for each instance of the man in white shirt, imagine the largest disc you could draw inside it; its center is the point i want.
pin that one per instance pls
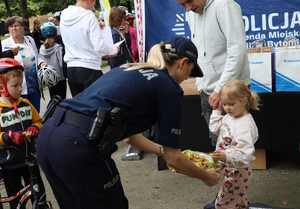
(85, 43)
(217, 30)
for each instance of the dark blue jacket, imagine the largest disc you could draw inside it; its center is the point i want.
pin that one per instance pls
(149, 96)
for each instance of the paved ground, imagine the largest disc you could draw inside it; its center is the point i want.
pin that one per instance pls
(148, 188)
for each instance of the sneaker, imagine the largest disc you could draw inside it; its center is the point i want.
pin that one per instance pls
(132, 154)
(210, 205)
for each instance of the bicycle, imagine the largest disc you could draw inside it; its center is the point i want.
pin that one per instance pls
(33, 190)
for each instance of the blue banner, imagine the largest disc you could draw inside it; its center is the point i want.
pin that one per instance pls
(164, 20)
(270, 21)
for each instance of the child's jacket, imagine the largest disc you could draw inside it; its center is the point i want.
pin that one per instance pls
(25, 117)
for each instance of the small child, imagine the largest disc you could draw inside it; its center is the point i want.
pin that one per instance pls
(237, 134)
(52, 53)
(20, 121)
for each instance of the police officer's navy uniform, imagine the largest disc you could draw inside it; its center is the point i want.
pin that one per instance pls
(81, 176)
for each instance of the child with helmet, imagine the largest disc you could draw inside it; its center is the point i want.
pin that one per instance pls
(20, 122)
(52, 74)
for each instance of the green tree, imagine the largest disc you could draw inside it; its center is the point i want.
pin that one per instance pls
(24, 11)
(7, 6)
(27, 8)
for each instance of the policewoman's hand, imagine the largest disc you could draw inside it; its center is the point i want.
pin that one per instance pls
(218, 156)
(213, 177)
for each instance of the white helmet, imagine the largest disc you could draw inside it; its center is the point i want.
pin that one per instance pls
(47, 76)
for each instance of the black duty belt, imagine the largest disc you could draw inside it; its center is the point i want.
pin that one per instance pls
(83, 122)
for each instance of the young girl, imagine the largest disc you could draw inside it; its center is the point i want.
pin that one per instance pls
(237, 134)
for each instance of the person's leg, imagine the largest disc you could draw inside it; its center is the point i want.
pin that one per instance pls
(75, 85)
(98, 184)
(13, 184)
(242, 187)
(59, 89)
(31, 174)
(80, 78)
(91, 76)
(61, 192)
(206, 112)
(232, 194)
(113, 190)
(76, 172)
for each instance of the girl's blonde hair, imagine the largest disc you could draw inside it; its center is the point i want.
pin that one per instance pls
(238, 89)
(159, 56)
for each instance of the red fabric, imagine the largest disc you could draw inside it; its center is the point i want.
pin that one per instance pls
(134, 47)
(32, 131)
(17, 137)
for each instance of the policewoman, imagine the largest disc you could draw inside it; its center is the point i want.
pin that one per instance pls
(75, 145)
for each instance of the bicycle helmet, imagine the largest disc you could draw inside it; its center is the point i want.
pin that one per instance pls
(48, 30)
(7, 64)
(47, 76)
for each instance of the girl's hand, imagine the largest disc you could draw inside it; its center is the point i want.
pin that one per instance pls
(214, 100)
(218, 156)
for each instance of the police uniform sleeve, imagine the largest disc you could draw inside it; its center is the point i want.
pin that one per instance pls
(169, 118)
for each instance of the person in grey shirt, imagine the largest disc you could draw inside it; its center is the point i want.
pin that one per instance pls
(217, 30)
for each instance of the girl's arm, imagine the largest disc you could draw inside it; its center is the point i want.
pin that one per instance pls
(215, 121)
(175, 159)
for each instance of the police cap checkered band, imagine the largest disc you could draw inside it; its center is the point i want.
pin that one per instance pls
(7, 64)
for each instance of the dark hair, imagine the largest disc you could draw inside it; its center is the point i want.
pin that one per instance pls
(57, 15)
(14, 19)
(116, 17)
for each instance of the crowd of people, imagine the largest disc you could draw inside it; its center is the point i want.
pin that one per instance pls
(82, 132)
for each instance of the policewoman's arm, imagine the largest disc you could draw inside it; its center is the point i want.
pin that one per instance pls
(175, 159)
